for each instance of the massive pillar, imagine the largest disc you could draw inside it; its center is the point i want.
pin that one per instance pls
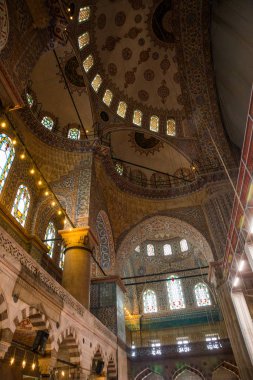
(234, 332)
(76, 273)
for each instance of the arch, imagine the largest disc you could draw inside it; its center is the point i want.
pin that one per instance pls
(69, 347)
(3, 310)
(5, 332)
(7, 154)
(106, 243)
(164, 227)
(111, 369)
(187, 373)
(74, 133)
(21, 204)
(226, 371)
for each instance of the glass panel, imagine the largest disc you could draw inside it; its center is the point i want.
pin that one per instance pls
(183, 344)
(74, 134)
(96, 83)
(107, 99)
(154, 123)
(121, 111)
(150, 250)
(171, 127)
(21, 205)
(88, 63)
(167, 250)
(184, 245)
(202, 295)
(213, 341)
(7, 153)
(84, 14)
(137, 118)
(62, 257)
(47, 122)
(175, 293)
(149, 301)
(49, 236)
(29, 99)
(83, 40)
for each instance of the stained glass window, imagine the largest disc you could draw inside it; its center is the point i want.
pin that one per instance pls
(171, 127)
(49, 236)
(156, 348)
(167, 250)
(119, 168)
(62, 257)
(47, 122)
(202, 294)
(184, 245)
(149, 301)
(175, 293)
(88, 63)
(121, 111)
(213, 341)
(154, 123)
(137, 118)
(29, 99)
(96, 83)
(7, 153)
(107, 98)
(74, 134)
(150, 250)
(183, 344)
(83, 40)
(84, 14)
(21, 204)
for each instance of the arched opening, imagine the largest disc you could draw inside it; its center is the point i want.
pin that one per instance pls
(68, 356)
(111, 369)
(30, 340)
(188, 373)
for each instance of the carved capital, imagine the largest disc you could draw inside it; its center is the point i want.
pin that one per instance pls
(76, 237)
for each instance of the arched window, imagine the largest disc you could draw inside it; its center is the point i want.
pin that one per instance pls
(21, 205)
(119, 168)
(175, 293)
(62, 257)
(49, 238)
(29, 99)
(47, 122)
(150, 250)
(74, 134)
(167, 250)
(7, 153)
(202, 294)
(122, 108)
(149, 301)
(184, 245)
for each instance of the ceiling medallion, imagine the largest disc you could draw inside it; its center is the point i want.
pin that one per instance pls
(144, 143)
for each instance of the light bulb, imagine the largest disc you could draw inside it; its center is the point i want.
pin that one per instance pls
(22, 156)
(33, 366)
(39, 182)
(46, 193)
(12, 360)
(53, 203)
(3, 124)
(62, 373)
(23, 363)
(14, 142)
(32, 171)
(59, 212)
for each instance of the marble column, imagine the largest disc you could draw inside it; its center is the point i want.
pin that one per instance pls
(234, 332)
(76, 272)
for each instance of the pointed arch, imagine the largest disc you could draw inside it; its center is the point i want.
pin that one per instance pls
(111, 369)
(149, 301)
(226, 371)
(7, 154)
(21, 204)
(202, 294)
(184, 372)
(69, 346)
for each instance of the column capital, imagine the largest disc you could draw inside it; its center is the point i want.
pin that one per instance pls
(77, 237)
